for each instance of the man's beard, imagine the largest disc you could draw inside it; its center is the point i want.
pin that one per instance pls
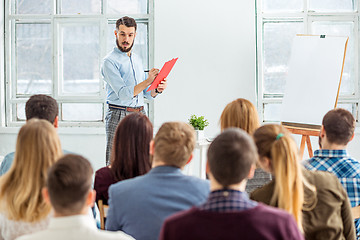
(124, 49)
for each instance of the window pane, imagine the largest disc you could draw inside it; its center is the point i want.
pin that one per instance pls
(332, 5)
(80, 58)
(33, 58)
(351, 107)
(282, 5)
(33, 6)
(140, 45)
(278, 38)
(20, 112)
(341, 29)
(80, 6)
(127, 6)
(272, 112)
(82, 111)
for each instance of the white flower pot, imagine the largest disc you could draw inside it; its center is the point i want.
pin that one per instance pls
(200, 135)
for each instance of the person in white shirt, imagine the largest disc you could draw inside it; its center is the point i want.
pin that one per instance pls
(69, 191)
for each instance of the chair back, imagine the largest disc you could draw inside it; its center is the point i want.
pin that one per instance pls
(103, 209)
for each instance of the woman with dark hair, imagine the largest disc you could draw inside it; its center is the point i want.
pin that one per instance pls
(130, 154)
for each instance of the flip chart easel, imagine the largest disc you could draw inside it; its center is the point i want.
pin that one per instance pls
(306, 132)
(313, 84)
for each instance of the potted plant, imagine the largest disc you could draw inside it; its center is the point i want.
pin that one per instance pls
(199, 123)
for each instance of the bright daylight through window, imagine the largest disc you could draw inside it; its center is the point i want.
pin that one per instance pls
(56, 47)
(278, 22)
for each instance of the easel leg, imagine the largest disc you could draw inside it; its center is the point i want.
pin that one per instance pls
(302, 146)
(308, 143)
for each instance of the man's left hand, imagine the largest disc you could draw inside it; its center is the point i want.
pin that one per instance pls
(162, 85)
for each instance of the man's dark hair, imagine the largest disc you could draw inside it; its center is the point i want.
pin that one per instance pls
(69, 182)
(231, 155)
(339, 125)
(127, 21)
(42, 107)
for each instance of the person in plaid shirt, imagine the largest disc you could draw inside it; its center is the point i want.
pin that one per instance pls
(336, 132)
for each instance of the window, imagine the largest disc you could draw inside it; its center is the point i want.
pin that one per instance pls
(278, 22)
(56, 47)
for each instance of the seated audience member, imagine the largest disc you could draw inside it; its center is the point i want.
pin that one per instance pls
(130, 154)
(138, 206)
(69, 191)
(228, 212)
(241, 113)
(38, 106)
(316, 199)
(337, 131)
(22, 207)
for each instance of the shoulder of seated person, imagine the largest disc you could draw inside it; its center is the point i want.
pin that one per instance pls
(263, 193)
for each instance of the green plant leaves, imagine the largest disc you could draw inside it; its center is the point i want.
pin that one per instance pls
(199, 123)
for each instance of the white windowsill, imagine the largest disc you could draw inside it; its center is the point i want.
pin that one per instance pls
(62, 130)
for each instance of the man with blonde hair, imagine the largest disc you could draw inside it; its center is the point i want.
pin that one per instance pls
(139, 206)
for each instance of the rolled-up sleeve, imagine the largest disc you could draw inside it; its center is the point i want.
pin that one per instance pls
(112, 77)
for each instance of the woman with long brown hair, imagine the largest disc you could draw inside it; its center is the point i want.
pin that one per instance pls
(241, 113)
(130, 154)
(22, 207)
(317, 200)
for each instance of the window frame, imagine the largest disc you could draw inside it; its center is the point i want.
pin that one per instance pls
(56, 20)
(306, 17)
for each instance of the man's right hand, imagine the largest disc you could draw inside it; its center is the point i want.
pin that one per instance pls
(152, 74)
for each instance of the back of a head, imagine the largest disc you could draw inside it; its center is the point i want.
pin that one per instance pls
(339, 125)
(37, 148)
(240, 113)
(42, 107)
(231, 155)
(130, 152)
(275, 143)
(174, 143)
(69, 182)
(127, 22)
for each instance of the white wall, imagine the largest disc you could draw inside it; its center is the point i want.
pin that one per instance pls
(215, 43)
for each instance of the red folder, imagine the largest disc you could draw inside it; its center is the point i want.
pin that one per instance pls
(164, 72)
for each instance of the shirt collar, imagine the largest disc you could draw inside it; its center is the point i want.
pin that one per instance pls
(71, 222)
(116, 49)
(331, 153)
(165, 169)
(227, 200)
(228, 194)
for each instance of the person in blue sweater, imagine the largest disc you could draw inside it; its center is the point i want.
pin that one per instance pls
(138, 206)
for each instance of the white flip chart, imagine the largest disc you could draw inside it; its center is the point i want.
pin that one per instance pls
(314, 78)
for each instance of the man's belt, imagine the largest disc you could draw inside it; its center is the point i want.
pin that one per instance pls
(128, 109)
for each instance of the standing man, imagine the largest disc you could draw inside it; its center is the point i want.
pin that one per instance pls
(126, 81)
